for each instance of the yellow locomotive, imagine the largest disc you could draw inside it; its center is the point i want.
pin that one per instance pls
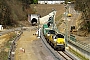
(57, 41)
(49, 34)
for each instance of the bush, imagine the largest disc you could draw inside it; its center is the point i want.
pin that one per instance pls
(3, 55)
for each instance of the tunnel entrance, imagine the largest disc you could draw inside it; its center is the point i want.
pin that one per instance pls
(34, 21)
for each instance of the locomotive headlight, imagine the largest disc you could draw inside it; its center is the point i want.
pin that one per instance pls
(55, 40)
(48, 34)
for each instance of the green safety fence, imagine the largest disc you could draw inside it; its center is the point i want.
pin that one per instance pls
(72, 38)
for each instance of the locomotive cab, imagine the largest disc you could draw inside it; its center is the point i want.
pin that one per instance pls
(49, 35)
(50, 32)
(59, 42)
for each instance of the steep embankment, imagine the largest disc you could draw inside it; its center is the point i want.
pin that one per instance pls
(12, 11)
(44, 9)
(18, 12)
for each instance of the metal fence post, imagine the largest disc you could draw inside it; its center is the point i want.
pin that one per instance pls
(66, 30)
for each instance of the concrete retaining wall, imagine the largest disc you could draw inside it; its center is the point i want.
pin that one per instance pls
(79, 50)
(45, 19)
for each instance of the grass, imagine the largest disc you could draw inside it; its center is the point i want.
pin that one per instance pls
(77, 54)
(59, 23)
(7, 44)
(4, 53)
(58, 18)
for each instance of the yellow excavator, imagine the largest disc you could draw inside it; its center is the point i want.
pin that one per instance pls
(69, 15)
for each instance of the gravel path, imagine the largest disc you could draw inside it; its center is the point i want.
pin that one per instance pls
(34, 49)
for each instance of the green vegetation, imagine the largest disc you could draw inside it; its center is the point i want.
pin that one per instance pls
(5, 14)
(7, 44)
(60, 22)
(3, 55)
(29, 1)
(77, 54)
(84, 7)
(12, 11)
(5, 49)
(34, 1)
(58, 18)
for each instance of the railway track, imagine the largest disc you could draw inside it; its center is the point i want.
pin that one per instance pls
(65, 55)
(59, 55)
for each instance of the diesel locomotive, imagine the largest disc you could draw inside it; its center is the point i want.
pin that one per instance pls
(56, 40)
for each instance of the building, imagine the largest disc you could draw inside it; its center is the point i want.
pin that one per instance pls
(50, 1)
(1, 27)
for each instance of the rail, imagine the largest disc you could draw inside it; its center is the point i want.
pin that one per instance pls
(55, 53)
(65, 55)
(81, 45)
(49, 48)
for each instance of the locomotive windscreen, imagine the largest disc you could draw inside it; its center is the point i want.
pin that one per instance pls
(59, 36)
(51, 32)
